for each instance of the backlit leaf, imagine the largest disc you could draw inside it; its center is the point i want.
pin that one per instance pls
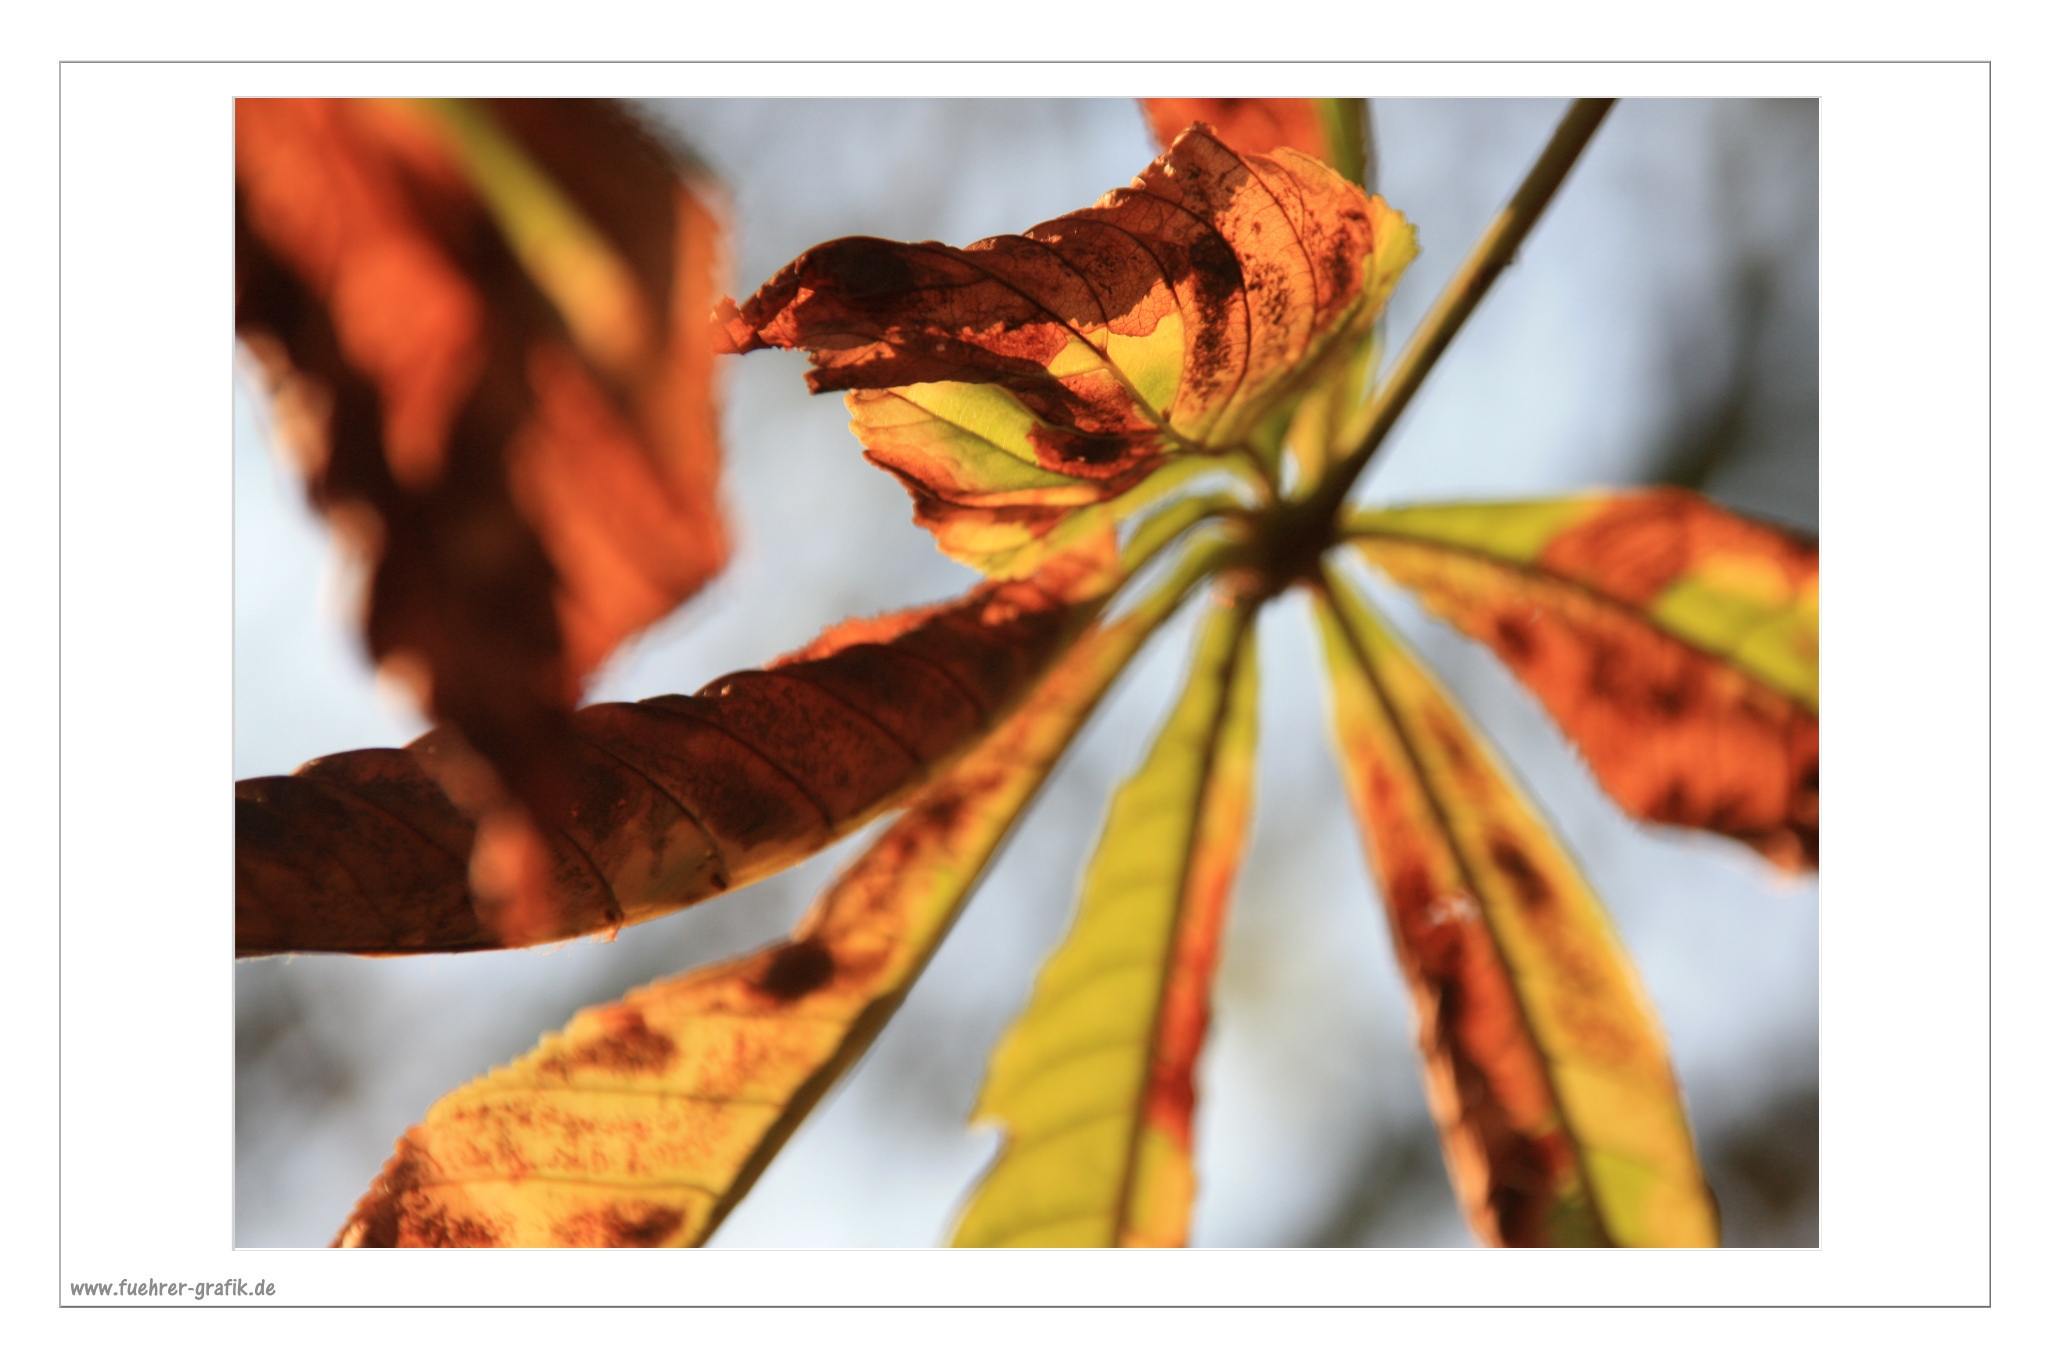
(1561, 1120)
(484, 324)
(1011, 382)
(673, 799)
(647, 1120)
(1676, 643)
(1094, 1083)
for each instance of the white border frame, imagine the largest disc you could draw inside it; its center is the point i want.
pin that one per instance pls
(146, 1015)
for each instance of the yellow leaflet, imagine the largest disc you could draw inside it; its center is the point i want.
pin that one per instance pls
(1094, 1082)
(645, 1121)
(1547, 1071)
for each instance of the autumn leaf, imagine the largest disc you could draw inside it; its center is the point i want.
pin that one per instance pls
(484, 326)
(1330, 130)
(1333, 131)
(1017, 383)
(1561, 1119)
(1676, 643)
(1094, 1083)
(673, 799)
(647, 1120)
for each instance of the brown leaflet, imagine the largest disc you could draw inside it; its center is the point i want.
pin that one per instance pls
(483, 327)
(672, 799)
(1060, 366)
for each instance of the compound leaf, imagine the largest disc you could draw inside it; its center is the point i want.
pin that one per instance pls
(1094, 1083)
(1676, 644)
(1560, 1117)
(647, 1120)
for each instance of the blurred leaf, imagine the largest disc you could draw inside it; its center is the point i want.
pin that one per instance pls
(646, 1121)
(673, 799)
(1560, 1116)
(1330, 130)
(1094, 1083)
(1011, 382)
(484, 327)
(1678, 645)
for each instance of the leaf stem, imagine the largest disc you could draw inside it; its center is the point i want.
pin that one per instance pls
(1492, 254)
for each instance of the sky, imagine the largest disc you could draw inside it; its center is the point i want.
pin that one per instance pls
(1660, 326)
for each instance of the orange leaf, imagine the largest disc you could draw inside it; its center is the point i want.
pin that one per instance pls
(1561, 1118)
(1014, 381)
(673, 799)
(1676, 644)
(484, 328)
(647, 1120)
(1250, 125)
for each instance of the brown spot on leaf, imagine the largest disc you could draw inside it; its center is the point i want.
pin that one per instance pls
(1410, 890)
(1514, 638)
(625, 1047)
(1531, 887)
(797, 969)
(635, 1224)
(1673, 804)
(1726, 816)
(434, 1226)
(1673, 697)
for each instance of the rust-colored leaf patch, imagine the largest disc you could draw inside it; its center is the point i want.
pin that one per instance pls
(484, 326)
